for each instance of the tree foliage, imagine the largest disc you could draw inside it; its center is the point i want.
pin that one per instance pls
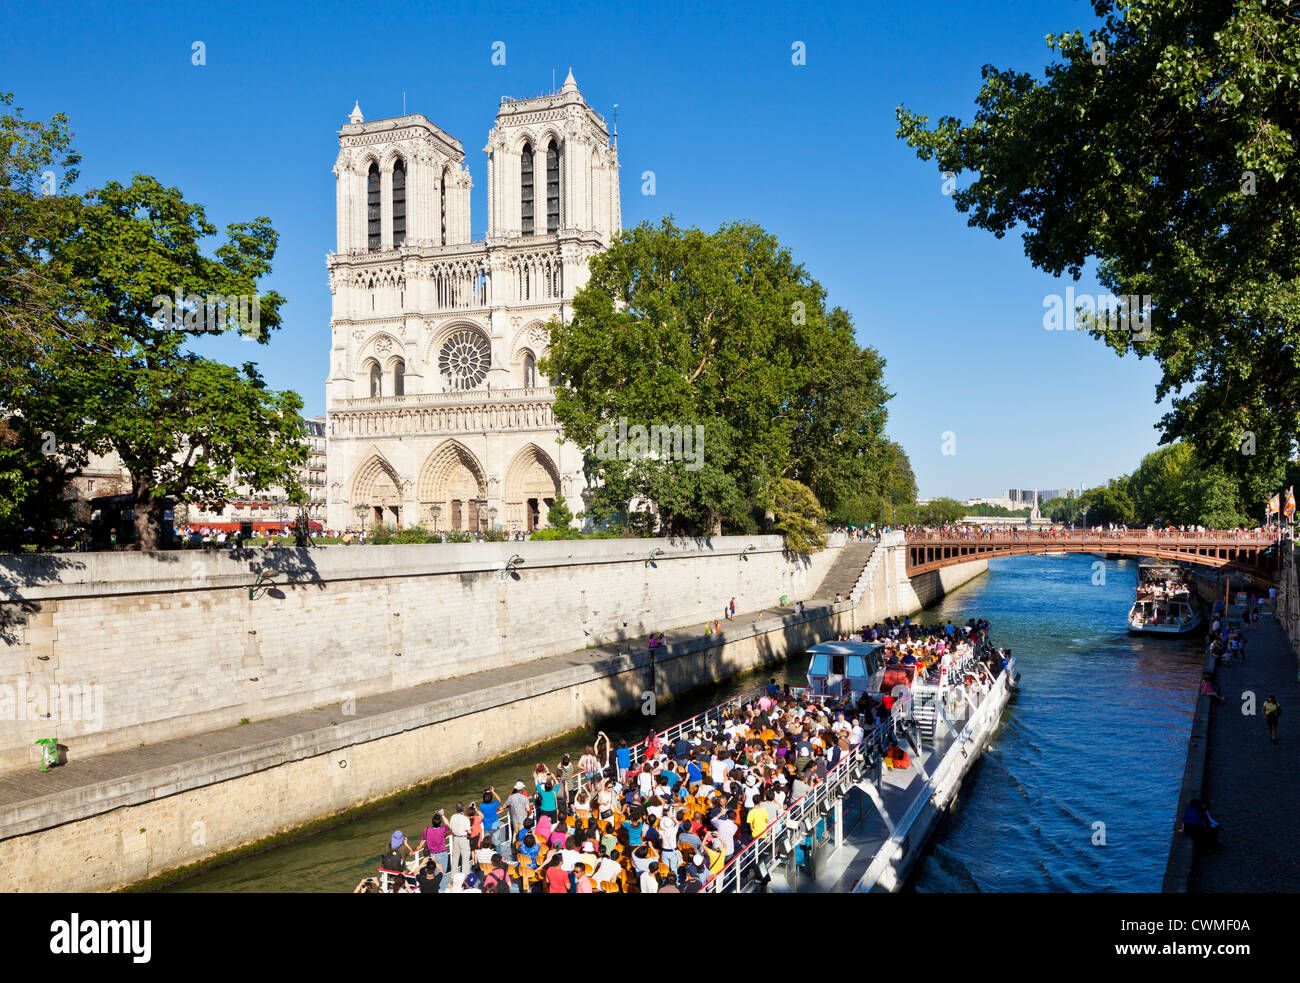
(184, 426)
(1107, 504)
(935, 512)
(1163, 146)
(723, 337)
(89, 355)
(799, 517)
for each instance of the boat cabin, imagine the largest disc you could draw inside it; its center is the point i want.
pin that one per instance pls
(843, 668)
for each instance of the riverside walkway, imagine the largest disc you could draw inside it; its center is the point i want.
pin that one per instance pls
(1254, 785)
(86, 786)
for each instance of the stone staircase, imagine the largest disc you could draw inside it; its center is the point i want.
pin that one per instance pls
(845, 572)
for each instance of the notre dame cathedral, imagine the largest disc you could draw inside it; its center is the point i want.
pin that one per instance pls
(437, 414)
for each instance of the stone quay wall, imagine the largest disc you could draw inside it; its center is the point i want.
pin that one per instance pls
(172, 645)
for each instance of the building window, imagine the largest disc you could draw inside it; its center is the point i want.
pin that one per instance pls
(399, 203)
(464, 359)
(372, 206)
(552, 188)
(446, 174)
(376, 380)
(399, 378)
(530, 372)
(526, 189)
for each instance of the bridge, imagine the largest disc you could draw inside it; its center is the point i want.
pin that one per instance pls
(1250, 552)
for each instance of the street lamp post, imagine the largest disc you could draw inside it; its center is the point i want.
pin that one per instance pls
(434, 510)
(361, 510)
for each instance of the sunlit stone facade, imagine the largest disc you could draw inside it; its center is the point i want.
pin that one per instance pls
(437, 413)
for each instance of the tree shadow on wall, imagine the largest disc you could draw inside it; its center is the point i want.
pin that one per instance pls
(21, 572)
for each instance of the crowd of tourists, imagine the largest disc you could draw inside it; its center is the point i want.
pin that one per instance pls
(663, 816)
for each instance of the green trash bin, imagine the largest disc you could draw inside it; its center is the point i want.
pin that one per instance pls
(785, 600)
(49, 752)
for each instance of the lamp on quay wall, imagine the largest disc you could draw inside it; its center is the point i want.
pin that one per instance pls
(654, 554)
(744, 554)
(512, 565)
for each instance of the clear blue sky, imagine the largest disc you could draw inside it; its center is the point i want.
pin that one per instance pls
(708, 100)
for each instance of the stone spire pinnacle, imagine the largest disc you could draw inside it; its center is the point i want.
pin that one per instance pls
(355, 116)
(569, 84)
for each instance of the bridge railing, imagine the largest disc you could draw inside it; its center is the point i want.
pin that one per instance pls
(1088, 536)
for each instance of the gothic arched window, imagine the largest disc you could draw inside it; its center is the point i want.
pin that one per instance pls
(530, 371)
(399, 378)
(552, 188)
(399, 203)
(526, 190)
(376, 380)
(372, 206)
(446, 173)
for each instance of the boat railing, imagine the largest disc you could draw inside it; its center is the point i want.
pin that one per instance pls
(977, 721)
(756, 859)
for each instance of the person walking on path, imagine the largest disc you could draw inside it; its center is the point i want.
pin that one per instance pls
(731, 608)
(1272, 710)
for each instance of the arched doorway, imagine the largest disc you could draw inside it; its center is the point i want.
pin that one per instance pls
(532, 486)
(452, 489)
(377, 494)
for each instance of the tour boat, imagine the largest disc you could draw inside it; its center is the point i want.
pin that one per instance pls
(1164, 603)
(865, 827)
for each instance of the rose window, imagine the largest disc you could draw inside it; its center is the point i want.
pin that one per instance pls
(465, 359)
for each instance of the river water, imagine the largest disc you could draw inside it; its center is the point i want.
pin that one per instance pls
(1076, 792)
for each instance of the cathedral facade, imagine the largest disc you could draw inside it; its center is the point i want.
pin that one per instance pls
(437, 413)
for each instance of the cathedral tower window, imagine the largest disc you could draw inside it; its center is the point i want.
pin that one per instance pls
(399, 203)
(372, 207)
(376, 380)
(552, 188)
(526, 190)
(446, 173)
(530, 372)
(399, 378)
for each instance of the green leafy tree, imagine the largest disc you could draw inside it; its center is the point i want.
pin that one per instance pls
(936, 512)
(1163, 147)
(1106, 505)
(559, 515)
(1062, 510)
(185, 426)
(40, 326)
(32, 486)
(723, 332)
(798, 516)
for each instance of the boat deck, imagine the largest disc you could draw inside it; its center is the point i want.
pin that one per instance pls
(866, 829)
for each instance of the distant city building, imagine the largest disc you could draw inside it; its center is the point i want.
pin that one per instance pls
(1016, 499)
(271, 505)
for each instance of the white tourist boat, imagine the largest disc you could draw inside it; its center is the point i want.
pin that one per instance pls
(1164, 604)
(864, 828)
